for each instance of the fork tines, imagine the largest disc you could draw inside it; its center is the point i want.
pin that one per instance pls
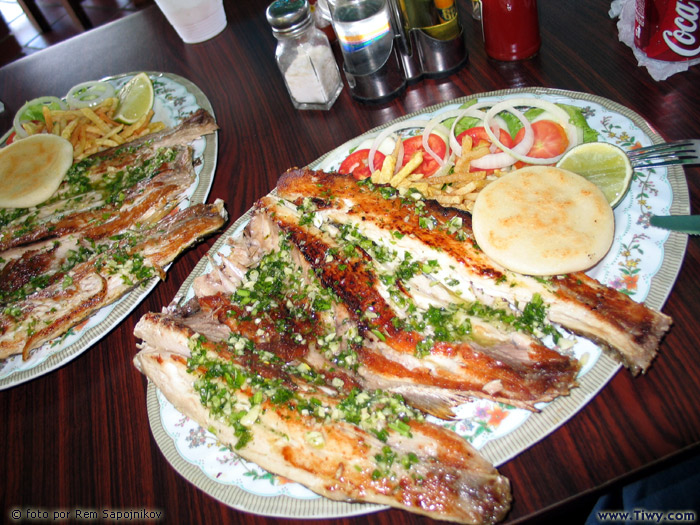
(664, 149)
(666, 154)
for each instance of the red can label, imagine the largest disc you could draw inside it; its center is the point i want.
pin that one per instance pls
(668, 29)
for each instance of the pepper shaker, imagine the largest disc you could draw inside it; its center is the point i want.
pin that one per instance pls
(304, 56)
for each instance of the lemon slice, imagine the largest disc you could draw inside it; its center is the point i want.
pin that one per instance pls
(135, 99)
(604, 164)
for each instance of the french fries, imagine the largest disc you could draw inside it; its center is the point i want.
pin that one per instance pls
(457, 189)
(92, 130)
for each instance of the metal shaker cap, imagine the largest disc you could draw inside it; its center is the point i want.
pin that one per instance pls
(288, 16)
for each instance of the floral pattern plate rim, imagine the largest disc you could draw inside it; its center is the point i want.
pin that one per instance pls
(175, 98)
(500, 432)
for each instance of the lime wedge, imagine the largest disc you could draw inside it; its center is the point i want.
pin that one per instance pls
(604, 164)
(135, 99)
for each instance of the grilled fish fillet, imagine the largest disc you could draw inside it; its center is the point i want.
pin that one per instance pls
(55, 241)
(346, 445)
(630, 330)
(55, 266)
(490, 359)
(339, 293)
(108, 182)
(103, 278)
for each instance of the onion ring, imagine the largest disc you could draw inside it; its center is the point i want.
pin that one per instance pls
(41, 101)
(88, 94)
(435, 123)
(510, 106)
(388, 132)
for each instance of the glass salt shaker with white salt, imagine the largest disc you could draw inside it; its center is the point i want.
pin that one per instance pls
(304, 56)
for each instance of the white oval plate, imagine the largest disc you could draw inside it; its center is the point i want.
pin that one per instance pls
(498, 431)
(175, 99)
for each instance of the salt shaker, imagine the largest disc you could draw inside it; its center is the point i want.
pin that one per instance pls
(304, 56)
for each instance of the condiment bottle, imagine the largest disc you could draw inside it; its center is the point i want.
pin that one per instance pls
(446, 10)
(511, 28)
(304, 56)
(321, 14)
(476, 9)
(437, 18)
(364, 33)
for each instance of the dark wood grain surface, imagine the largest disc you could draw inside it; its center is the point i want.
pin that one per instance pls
(79, 436)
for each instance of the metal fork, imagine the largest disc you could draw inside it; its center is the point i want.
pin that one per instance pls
(676, 152)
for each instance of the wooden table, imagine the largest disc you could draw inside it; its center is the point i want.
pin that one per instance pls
(80, 436)
(36, 16)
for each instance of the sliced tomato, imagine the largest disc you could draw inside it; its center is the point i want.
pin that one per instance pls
(11, 138)
(357, 163)
(429, 165)
(550, 139)
(479, 137)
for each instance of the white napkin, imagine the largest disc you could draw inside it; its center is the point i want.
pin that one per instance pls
(658, 69)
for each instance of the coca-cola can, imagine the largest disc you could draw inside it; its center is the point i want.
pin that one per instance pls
(668, 29)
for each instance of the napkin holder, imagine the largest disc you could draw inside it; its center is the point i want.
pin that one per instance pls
(431, 57)
(380, 85)
(429, 52)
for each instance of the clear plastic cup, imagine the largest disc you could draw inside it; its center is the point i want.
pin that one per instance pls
(194, 20)
(364, 32)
